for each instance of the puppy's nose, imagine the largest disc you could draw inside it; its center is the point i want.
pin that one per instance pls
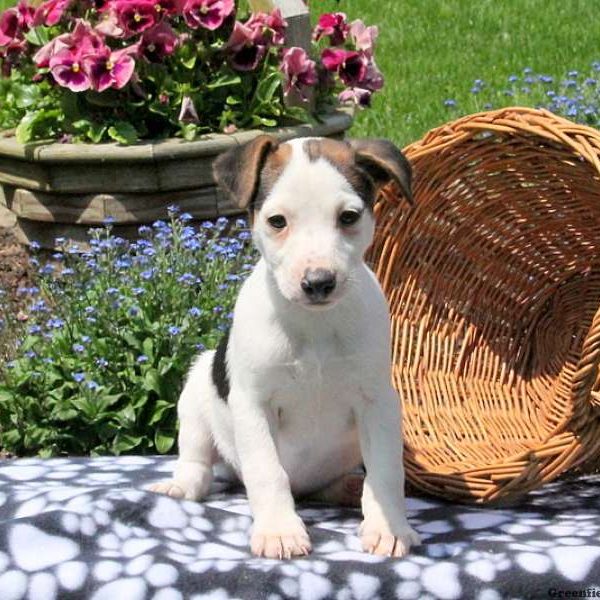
(318, 284)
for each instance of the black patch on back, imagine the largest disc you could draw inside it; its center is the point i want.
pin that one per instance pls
(220, 373)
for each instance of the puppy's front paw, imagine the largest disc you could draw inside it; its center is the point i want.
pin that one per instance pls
(380, 540)
(280, 539)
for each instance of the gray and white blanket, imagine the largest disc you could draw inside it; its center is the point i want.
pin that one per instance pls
(86, 528)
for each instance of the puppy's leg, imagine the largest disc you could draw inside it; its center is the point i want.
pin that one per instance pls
(193, 473)
(277, 531)
(385, 529)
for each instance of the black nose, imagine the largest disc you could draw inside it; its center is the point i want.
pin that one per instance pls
(318, 284)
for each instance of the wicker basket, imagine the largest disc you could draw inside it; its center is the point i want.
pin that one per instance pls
(494, 286)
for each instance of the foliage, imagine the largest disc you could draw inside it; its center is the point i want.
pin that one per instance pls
(121, 70)
(110, 333)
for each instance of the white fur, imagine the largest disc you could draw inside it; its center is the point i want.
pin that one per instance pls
(310, 396)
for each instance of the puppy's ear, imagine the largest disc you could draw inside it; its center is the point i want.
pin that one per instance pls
(237, 171)
(384, 163)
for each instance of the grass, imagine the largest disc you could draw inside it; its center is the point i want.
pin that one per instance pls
(433, 50)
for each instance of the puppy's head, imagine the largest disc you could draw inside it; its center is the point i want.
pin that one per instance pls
(311, 206)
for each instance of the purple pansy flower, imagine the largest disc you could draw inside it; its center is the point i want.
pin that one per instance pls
(110, 69)
(135, 16)
(351, 66)
(14, 21)
(244, 53)
(158, 42)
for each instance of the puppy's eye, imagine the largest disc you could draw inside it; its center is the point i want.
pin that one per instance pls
(277, 221)
(349, 217)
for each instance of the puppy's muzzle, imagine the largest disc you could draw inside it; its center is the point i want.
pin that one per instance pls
(318, 284)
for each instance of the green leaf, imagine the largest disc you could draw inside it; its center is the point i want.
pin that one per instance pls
(70, 106)
(165, 364)
(26, 95)
(267, 87)
(148, 348)
(264, 121)
(24, 132)
(123, 133)
(225, 80)
(39, 36)
(163, 441)
(159, 410)
(32, 124)
(124, 442)
(107, 98)
(132, 340)
(189, 131)
(96, 132)
(152, 381)
(190, 62)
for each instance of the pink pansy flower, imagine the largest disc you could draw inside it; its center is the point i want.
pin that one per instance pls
(299, 70)
(373, 78)
(110, 69)
(68, 71)
(50, 13)
(10, 56)
(43, 55)
(135, 16)
(268, 28)
(159, 41)
(244, 53)
(358, 96)
(82, 36)
(335, 26)
(167, 7)
(15, 21)
(109, 25)
(351, 66)
(209, 14)
(364, 37)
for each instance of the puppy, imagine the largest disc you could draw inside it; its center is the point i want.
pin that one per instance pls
(298, 394)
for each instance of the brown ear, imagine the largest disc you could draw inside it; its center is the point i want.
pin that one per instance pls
(237, 171)
(384, 163)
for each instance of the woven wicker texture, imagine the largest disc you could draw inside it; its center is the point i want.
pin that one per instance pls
(494, 286)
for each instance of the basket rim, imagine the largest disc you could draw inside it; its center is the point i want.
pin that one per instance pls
(540, 122)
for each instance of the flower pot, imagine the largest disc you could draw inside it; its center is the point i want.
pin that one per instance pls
(61, 190)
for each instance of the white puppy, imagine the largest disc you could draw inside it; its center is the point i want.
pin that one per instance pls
(299, 394)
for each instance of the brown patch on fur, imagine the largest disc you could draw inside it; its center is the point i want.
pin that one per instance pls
(274, 165)
(343, 158)
(238, 171)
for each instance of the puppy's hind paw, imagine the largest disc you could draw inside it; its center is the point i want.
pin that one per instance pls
(385, 543)
(177, 489)
(168, 488)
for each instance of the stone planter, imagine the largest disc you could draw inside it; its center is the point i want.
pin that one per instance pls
(64, 189)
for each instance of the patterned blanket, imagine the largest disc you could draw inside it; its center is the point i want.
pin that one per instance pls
(86, 528)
